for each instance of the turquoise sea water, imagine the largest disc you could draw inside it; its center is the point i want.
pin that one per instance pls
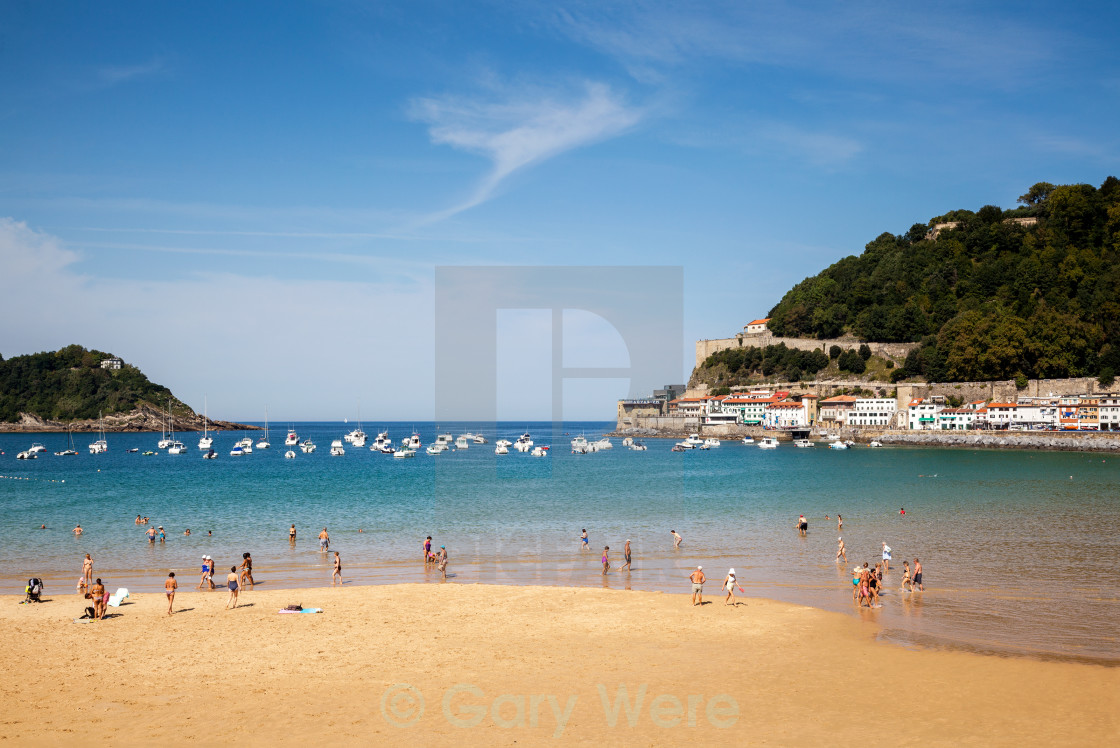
(1019, 548)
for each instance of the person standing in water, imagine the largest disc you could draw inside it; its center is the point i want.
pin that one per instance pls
(441, 561)
(427, 550)
(918, 575)
(247, 569)
(292, 533)
(231, 582)
(169, 587)
(907, 585)
(841, 551)
(324, 540)
(886, 557)
(337, 568)
(626, 555)
(584, 540)
(839, 523)
(87, 569)
(802, 526)
(676, 539)
(605, 560)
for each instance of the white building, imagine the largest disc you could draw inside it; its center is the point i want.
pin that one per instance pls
(1035, 413)
(873, 411)
(1110, 412)
(956, 419)
(111, 363)
(751, 408)
(922, 414)
(787, 415)
(757, 326)
(1001, 415)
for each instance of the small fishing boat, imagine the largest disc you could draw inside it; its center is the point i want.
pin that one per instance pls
(462, 442)
(712, 442)
(292, 439)
(875, 443)
(802, 443)
(694, 440)
(290, 455)
(237, 451)
(177, 448)
(403, 453)
(748, 440)
(539, 452)
(638, 447)
(336, 448)
(501, 449)
(210, 455)
(838, 445)
(307, 446)
(36, 448)
(768, 442)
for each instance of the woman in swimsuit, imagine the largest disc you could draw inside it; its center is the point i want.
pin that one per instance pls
(605, 560)
(337, 568)
(231, 582)
(907, 585)
(170, 586)
(205, 573)
(729, 585)
(247, 569)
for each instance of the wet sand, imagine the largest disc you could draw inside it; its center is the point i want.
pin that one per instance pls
(496, 664)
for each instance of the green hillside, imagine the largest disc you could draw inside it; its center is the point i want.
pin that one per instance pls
(70, 384)
(991, 298)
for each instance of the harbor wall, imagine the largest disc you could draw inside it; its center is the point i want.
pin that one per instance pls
(893, 351)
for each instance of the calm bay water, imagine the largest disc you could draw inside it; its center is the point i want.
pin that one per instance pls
(1020, 549)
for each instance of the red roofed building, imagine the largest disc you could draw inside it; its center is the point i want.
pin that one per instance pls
(757, 327)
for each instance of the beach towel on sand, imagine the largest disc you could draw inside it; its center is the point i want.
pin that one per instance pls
(304, 610)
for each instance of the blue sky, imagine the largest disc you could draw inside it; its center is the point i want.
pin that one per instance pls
(248, 200)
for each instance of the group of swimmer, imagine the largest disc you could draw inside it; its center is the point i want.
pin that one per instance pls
(585, 545)
(436, 558)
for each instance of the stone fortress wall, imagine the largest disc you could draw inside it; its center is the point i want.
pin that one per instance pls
(893, 351)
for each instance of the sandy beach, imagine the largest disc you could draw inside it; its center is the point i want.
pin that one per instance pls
(498, 665)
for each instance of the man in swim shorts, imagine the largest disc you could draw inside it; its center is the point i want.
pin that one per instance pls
(698, 580)
(802, 525)
(626, 555)
(151, 535)
(324, 540)
(918, 575)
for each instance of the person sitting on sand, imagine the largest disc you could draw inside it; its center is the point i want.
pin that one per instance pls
(697, 577)
(676, 539)
(247, 570)
(83, 587)
(169, 588)
(231, 582)
(97, 594)
(337, 568)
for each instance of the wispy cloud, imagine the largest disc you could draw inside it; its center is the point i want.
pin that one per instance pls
(518, 132)
(112, 75)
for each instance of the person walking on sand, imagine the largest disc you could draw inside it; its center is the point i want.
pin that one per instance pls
(231, 582)
(205, 573)
(918, 575)
(247, 569)
(698, 580)
(841, 552)
(292, 533)
(87, 569)
(729, 584)
(441, 561)
(584, 540)
(626, 556)
(606, 561)
(886, 557)
(324, 541)
(169, 587)
(676, 539)
(337, 568)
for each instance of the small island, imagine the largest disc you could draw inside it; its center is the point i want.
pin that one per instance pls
(76, 389)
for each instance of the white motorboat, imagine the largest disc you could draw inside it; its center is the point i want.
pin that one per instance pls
(638, 446)
(602, 444)
(381, 442)
(504, 443)
(263, 443)
(237, 451)
(292, 439)
(357, 437)
(539, 452)
(712, 442)
(802, 443)
(27, 455)
(413, 442)
(849, 442)
(628, 441)
(445, 439)
(290, 454)
(838, 445)
(436, 449)
(36, 448)
(694, 440)
(768, 442)
(875, 444)
(579, 444)
(684, 445)
(403, 453)
(501, 449)
(462, 442)
(210, 455)
(177, 448)
(833, 437)
(246, 442)
(307, 446)
(524, 443)
(704, 446)
(336, 448)
(479, 439)
(98, 447)
(748, 440)
(205, 441)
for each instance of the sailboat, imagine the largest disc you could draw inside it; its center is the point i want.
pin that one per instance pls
(165, 440)
(69, 451)
(174, 447)
(263, 443)
(207, 441)
(100, 446)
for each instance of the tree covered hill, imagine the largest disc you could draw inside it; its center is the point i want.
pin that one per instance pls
(70, 385)
(989, 298)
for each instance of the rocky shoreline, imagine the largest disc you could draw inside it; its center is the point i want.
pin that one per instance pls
(143, 418)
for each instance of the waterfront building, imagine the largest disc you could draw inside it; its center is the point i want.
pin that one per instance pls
(834, 410)
(922, 414)
(1109, 412)
(786, 415)
(872, 411)
(956, 419)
